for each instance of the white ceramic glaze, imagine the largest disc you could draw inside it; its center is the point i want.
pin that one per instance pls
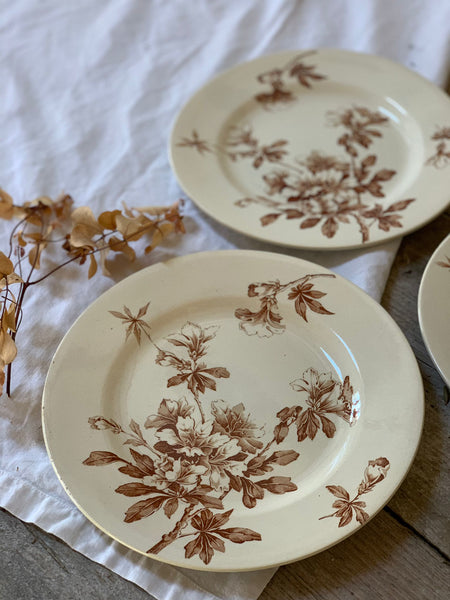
(434, 308)
(324, 149)
(232, 410)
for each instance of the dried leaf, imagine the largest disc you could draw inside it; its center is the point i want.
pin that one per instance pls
(107, 219)
(118, 245)
(6, 265)
(81, 236)
(6, 205)
(8, 349)
(161, 232)
(92, 266)
(10, 317)
(83, 215)
(132, 229)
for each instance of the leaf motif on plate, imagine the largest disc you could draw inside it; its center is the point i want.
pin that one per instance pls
(323, 190)
(441, 157)
(347, 507)
(267, 321)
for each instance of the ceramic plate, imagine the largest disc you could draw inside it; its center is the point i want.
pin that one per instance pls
(321, 149)
(232, 410)
(434, 308)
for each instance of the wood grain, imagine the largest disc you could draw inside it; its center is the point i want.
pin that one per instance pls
(383, 560)
(423, 499)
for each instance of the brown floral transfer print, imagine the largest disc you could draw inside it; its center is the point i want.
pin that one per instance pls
(322, 190)
(325, 396)
(346, 507)
(193, 453)
(136, 325)
(441, 158)
(266, 321)
(278, 79)
(195, 142)
(445, 264)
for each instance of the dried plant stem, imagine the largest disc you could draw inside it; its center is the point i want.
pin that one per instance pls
(86, 236)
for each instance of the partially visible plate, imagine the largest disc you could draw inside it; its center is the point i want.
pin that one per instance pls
(321, 149)
(232, 410)
(434, 308)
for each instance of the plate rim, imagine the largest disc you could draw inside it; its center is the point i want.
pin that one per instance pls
(414, 371)
(444, 374)
(395, 233)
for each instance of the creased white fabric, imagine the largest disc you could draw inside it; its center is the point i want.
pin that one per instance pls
(89, 92)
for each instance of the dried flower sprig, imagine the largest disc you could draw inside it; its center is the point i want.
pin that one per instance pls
(82, 236)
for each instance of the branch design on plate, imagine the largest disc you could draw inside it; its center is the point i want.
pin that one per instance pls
(441, 157)
(320, 190)
(348, 507)
(278, 80)
(266, 321)
(445, 264)
(196, 451)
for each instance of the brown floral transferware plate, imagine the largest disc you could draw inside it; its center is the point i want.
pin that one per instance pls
(434, 308)
(322, 149)
(232, 410)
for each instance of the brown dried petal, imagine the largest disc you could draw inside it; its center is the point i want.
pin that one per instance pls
(83, 215)
(6, 205)
(107, 219)
(6, 265)
(8, 349)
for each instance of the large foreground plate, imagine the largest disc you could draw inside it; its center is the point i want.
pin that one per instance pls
(232, 410)
(434, 308)
(321, 149)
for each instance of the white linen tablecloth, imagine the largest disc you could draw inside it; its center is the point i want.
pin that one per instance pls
(89, 92)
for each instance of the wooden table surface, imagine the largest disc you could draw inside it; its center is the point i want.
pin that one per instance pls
(402, 553)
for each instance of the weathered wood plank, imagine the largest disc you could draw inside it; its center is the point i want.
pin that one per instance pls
(383, 560)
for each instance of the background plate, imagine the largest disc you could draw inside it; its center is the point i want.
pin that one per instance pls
(434, 308)
(321, 149)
